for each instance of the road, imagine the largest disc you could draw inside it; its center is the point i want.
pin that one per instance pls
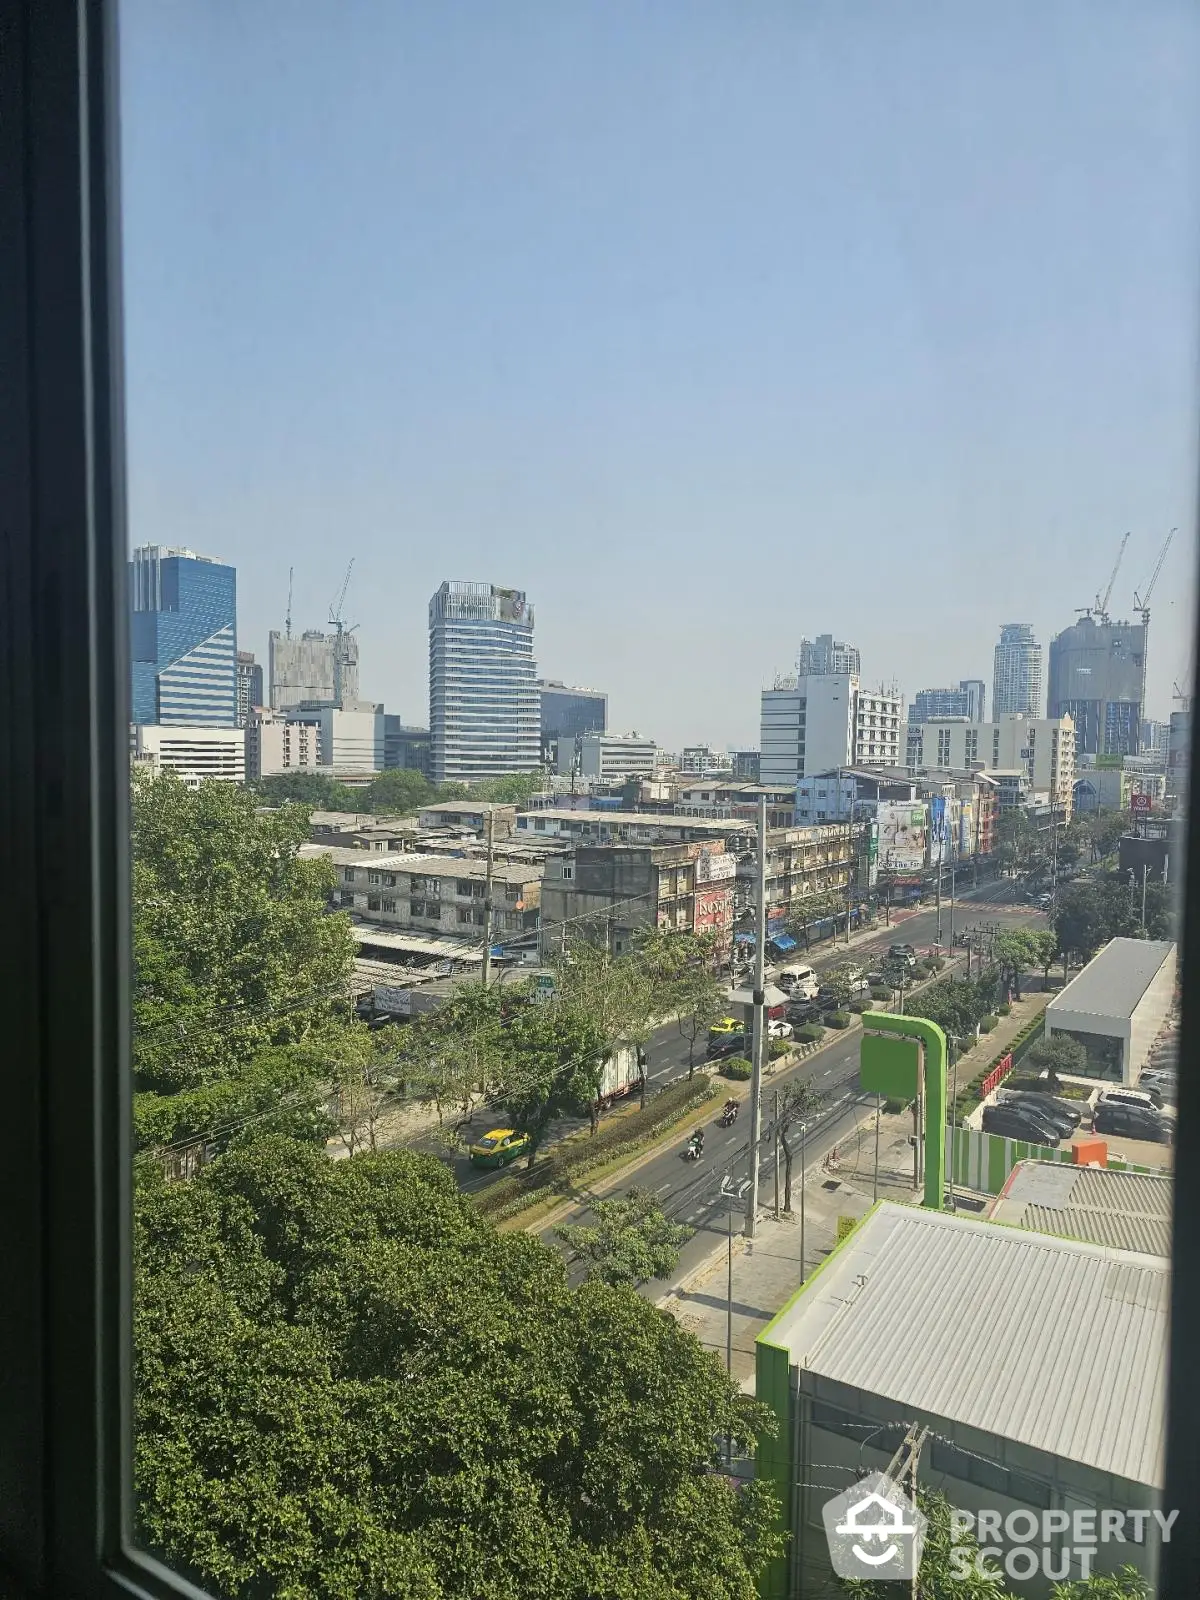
(689, 1192)
(834, 1069)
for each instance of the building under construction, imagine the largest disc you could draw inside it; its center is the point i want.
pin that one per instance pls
(303, 671)
(1097, 670)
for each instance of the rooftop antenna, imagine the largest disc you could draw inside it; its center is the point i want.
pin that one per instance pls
(338, 621)
(288, 618)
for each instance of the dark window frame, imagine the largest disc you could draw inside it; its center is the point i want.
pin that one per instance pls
(65, 1417)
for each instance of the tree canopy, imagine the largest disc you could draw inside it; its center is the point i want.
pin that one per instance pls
(396, 792)
(1109, 907)
(630, 1242)
(234, 950)
(350, 1385)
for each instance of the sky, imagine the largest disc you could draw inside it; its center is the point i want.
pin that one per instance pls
(708, 323)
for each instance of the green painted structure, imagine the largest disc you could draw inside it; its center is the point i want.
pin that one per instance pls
(890, 1064)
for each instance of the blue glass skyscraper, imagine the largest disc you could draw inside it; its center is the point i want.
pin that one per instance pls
(183, 638)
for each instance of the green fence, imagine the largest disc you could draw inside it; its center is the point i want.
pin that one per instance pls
(983, 1161)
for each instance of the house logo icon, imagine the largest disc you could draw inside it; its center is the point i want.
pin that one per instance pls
(874, 1531)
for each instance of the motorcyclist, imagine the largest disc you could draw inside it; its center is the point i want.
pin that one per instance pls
(698, 1139)
(731, 1108)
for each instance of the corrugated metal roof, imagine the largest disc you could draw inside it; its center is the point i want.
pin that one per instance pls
(1113, 982)
(1123, 1210)
(1058, 1344)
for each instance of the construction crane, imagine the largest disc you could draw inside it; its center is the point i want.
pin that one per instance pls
(288, 619)
(1185, 700)
(338, 621)
(1142, 602)
(1100, 609)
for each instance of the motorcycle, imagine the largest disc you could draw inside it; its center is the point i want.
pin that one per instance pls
(693, 1150)
(729, 1115)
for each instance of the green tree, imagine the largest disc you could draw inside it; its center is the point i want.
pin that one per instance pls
(1058, 1055)
(630, 1242)
(312, 789)
(398, 792)
(1014, 954)
(1043, 950)
(840, 985)
(349, 1385)
(682, 970)
(553, 1064)
(233, 948)
(511, 788)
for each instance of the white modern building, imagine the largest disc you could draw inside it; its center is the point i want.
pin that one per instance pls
(1041, 747)
(827, 720)
(609, 756)
(1116, 1006)
(1017, 682)
(702, 761)
(305, 739)
(484, 700)
(193, 752)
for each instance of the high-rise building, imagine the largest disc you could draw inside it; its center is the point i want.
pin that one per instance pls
(404, 746)
(826, 720)
(1017, 676)
(484, 710)
(1154, 737)
(968, 700)
(303, 671)
(824, 655)
(249, 686)
(566, 713)
(183, 638)
(1096, 675)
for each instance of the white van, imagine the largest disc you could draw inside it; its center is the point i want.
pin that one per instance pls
(798, 981)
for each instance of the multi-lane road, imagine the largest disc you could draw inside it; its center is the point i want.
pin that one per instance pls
(689, 1191)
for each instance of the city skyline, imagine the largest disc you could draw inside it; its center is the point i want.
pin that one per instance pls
(557, 321)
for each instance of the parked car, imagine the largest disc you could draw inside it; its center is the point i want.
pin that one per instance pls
(1148, 1099)
(1133, 1122)
(1063, 1118)
(498, 1148)
(1015, 1122)
(1164, 1079)
(727, 1044)
(725, 1025)
(905, 953)
(779, 1030)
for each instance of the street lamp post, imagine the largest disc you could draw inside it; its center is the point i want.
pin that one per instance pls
(733, 1195)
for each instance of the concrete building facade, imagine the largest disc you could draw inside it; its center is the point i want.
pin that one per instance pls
(936, 705)
(193, 753)
(810, 724)
(249, 686)
(608, 757)
(1042, 748)
(1097, 670)
(1116, 1006)
(302, 671)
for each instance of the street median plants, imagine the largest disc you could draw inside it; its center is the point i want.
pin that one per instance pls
(838, 1019)
(986, 1024)
(737, 1068)
(810, 1033)
(571, 1160)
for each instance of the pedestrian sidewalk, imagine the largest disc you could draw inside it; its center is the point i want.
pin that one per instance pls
(767, 1269)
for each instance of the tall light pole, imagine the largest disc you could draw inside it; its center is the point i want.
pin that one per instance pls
(760, 1019)
(732, 1195)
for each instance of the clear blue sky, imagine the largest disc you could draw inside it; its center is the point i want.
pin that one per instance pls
(708, 324)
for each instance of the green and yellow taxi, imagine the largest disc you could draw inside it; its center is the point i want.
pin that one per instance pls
(724, 1026)
(499, 1147)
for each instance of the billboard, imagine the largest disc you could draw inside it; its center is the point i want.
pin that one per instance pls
(715, 866)
(902, 835)
(1110, 760)
(939, 828)
(1139, 802)
(512, 606)
(966, 828)
(714, 909)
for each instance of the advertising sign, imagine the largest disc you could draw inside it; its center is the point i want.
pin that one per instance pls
(939, 828)
(903, 838)
(966, 828)
(1139, 802)
(398, 1002)
(714, 909)
(715, 866)
(1110, 761)
(512, 606)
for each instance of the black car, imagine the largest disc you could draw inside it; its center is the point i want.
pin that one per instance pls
(1133, 1122)
(1062, 1117)
(802, 1011)
(1014, 1122)
(727, 1044)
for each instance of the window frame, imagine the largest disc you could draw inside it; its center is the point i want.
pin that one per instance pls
(65, 1366)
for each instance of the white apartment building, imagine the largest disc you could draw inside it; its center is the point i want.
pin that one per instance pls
(1017, 673)
(608, 756)
(702, 761)
(193, 752)
(432, 895)
(1043, 748)
(826, 720)
(323, 737)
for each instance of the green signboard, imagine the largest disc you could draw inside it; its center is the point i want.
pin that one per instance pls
(890, 1066)
(1110, 761)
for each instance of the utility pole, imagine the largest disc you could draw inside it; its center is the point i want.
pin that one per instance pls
(875, 1184)
(953, 859)
(775, 1141)
(803, 1268)
(731, 1193)
(760, 1020)
(487, 901)
(938, 938)
(1145, 870)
